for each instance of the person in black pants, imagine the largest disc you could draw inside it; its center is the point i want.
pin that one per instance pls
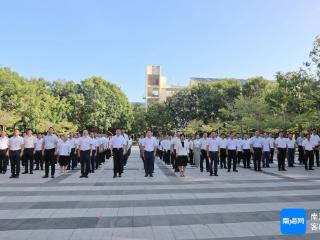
(232, 153)
(16, 145)
(281, 146)
(150, 150)
(85, 153)
(4, 142)
(308, 147)
(256, 148)
(50, 142)
(118, 147)
(203, 153)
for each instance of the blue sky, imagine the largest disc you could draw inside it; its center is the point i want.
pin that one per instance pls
(75, 39)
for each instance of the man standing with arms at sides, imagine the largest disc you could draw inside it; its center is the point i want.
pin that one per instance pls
(174, 141)
(271, 140)
(299, 142)
(93, 155)
(50, 144)
(140, 142)
(73, 158)
(15, 152)
(85, 153)
(265, 151)
(29, 151)
(38, 152)
(204, 155)
(316, 141)
(246, 152)
(308, 148)
(165, 145)
(213, 153)
(4, 144)
(239, 148)
(231, 148)
(150, 151)
(291, 150)
(125, 154)
(256, 148)
(281, 150)
(118, 148)
(223, 151)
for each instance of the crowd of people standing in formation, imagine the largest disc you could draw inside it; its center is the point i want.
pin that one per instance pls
(92, 149)
(233, 150)
(42, 152)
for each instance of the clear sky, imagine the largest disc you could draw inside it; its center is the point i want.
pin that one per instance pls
(75, 39)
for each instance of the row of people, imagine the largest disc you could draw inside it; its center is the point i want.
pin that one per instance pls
(90, 150)
(231, 150)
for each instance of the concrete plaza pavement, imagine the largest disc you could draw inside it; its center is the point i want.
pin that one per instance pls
(243, 205)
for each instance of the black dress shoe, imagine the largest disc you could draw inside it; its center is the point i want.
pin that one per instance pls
(235, 170)
(119, 175)
(45, 176)
(284, 169)
(16, 176)
(311, 168)
(12, 176)
(37, 169)
(52, 176)
(24, 172)
(31, 172)
(146, 175)
(228, 170)
(216, 175)
(86, 176)
(114, 176)
(151, 175)
(211, 174)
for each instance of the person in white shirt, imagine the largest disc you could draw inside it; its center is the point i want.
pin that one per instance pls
(4, 143)
(73, 159)
(246, 152)
(50, 143)
(182, 151)
(95, 146)
(308, 147)
(129, 149)
(174, 142)
(204, 155)
(316, 141)
(231, 148)
(118, 148)
(149, 150)
(223, 151)
(281, 150)
(239, 148)
(165, 145)
(63, 153)
(213, 153)
(271, 142)
(85, 153)
(125, 155)
(29, 151)
(191, 146)
(196, 151)
(265, 151)
(38, 152)
(140, 143)
(256, 149)
(291, 150)
(299, 142)
(15, 153)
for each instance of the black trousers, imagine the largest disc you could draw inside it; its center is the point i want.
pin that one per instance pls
(271, 155)
(204, 156)
(117, 160)
(166, 156)
(73, 157)
(49, 161)
(257, 154)
(232, 156)
(214, 160)
(309, 155)
(246, 158)
(316, 153)
(15, 162)
(281, 158)
(3, 160)
(93, 161)
(290, 157)
(149, 162)
(85, 162)
(301, 154)
(126, 157)
(38, 159)
(265, 158)
(239, 156)
(191, 157)
(223, 157)
(28, 158)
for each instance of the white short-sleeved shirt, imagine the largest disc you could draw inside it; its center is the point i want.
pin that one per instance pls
(213, 144)
(85, 143)
(281, 142)
(308, 145)
(271, 142)
(118, 141)
(64, 148)
(39, 144)
(50, 141)
(291, 143)
(165, 144)
(256, 142)
(203, 143)
(150, 144)
(232, 144)
(246, 144)
(16, 143)
(182, 150)
(72, 142)
(174, 142)
(29, 141)
(239, 144)
(4, 143)
(265, 145)
(223, 143)
(196, 143)
(95, 143)
(315, 139)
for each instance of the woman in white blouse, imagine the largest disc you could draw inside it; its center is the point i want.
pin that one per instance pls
(182, 150)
